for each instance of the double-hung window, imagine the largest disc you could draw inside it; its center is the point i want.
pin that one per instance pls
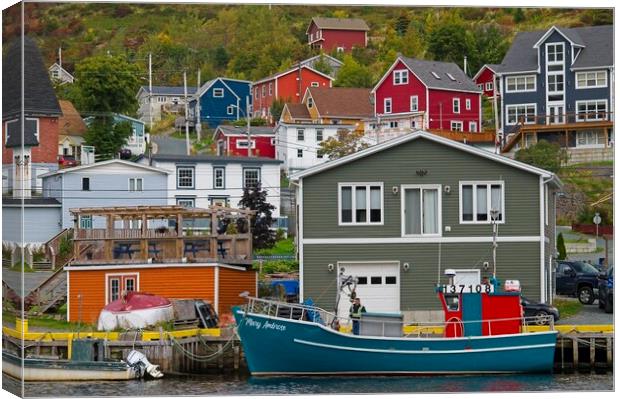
(251, 177)
(219, 177)
(456, 126)
(479, 199)
(456, 105)
(516, 84)
(401, 77)
(270, 88)
(587, 80)
(218, 92)
(518, 112)
(591, 110)
(387, 105)
(489, 86)
(135, 184)
(413, 102)
(185, 177)
(468, 104)
(301, 135)
(360, 203)
(421, 210)
(230, 110)
(319, 135)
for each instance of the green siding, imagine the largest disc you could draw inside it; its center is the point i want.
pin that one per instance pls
(398, 165)
(518, 261)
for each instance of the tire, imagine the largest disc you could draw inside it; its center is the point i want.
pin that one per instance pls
(609, 305)
(586, 295)
(541, 318)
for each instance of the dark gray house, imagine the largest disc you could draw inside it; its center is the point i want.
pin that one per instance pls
(557, 85)
(399, 213)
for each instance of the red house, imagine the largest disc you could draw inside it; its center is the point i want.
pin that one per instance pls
(233, 141)
(485, 79)
(340, 34)
(416, 94)
(289, 86)
(37, 152)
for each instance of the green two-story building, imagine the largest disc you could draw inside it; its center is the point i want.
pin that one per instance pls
(399, 213)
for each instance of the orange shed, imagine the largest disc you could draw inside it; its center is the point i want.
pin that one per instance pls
(90, 288)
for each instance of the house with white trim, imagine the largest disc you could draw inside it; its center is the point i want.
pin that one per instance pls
(398, 214)
(221, 100)
(557, 85)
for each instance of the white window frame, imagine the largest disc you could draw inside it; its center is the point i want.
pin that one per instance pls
(300, 153)
(318, 140)
(242, 144)
(394, 124)
(353, 186)
(488, 86)
(456, 105)
(263, 90)
(217, 90)
(468, 104)
(488, 184)
(386, 101)
(481, 86)
(421, 187)
(310, 102)
(585, 74)
(586, 118)
(251, 169)
(303, 134)
(193, 169)
(515, 79)
(109, 276)
(314, 84)
(456, 123)
(475, 127)
(413, 100)
(135, 180)
(590, 145)
(230, 110)
(216, 169)
(270, 88)
(400, 77)
(340, 49)
(6, 128)
(508, 123)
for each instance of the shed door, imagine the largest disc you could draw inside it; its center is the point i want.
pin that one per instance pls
(378, 287)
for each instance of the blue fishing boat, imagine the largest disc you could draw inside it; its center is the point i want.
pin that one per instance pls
(484, 332)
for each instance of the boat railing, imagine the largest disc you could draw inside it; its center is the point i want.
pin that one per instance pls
(294, 311)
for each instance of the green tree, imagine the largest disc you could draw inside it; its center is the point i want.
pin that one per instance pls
(561, 247)
(322, 65)
(490, 47)
(107, 137)
(402, 24)
(543, 154)
(107, 84)
(255, 198)
(276, 108)
(345, 143)
(352, 74)
(451, 41)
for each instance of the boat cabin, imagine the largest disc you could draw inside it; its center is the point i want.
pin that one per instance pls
(479, 308)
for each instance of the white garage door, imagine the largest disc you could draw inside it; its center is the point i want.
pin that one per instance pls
(378, 286)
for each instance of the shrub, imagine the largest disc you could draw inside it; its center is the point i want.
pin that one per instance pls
(561, 247)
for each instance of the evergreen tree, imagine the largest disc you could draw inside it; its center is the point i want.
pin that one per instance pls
(561, 247)
(255, 198)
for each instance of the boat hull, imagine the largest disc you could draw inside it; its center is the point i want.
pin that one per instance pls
(276, 346)
(63, 370)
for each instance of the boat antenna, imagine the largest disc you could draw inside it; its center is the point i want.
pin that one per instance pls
(494, 216)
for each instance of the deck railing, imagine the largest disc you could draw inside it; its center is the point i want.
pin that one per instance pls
(291, 311)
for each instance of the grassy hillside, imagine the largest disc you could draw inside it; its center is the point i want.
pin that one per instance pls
(253, 41)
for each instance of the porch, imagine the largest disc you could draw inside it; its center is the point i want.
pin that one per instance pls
(161, 234)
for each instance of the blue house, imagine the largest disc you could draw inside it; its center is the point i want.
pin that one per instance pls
(556, 85)
(221, 99)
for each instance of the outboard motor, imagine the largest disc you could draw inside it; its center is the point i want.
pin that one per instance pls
(138, 361)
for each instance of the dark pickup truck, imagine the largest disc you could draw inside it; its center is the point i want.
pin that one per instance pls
(578, 279)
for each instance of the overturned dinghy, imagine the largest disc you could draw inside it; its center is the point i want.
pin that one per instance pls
(135, 310)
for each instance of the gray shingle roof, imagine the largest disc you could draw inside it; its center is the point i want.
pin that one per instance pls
(424, 71)
(39, 97)
(598, 50)
(340, 23)
(170, 90)
(14, 133)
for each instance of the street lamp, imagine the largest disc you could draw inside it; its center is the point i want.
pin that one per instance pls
(247, 117)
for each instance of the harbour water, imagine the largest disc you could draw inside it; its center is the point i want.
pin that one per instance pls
(241, 384)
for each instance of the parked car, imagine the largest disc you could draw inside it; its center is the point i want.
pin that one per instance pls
(66, 161)
(538, 313)
(606, 290)
(576, 278)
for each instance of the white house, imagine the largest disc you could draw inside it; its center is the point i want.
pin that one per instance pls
(203, 180)
(60, 74)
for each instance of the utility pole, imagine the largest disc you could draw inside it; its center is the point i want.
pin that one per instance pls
(465, 65)
(198, 125)
(150, 93)
(186, 121)
(247, 116)
(60, 57)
